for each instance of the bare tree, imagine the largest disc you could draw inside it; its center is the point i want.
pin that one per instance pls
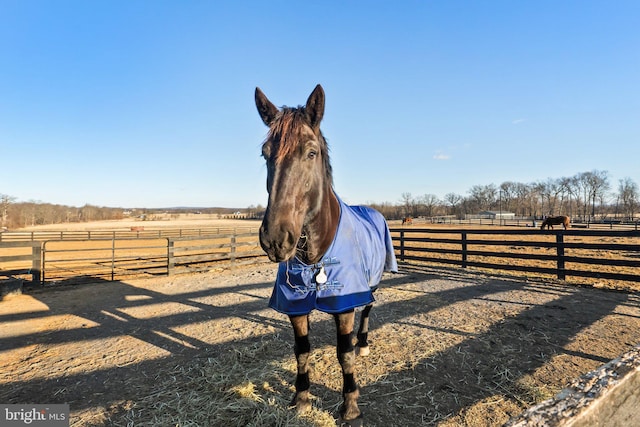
(409, 204)
(628, 197)
(598, 182)
(483, 197)
(507, 196)
(549, 191)
(569, 193)
(429, 202)
(5, 202)
(521, 198)
(453, 201)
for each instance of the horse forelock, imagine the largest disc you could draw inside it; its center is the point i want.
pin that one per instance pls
(287, 133)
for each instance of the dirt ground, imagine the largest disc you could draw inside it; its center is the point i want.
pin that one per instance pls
(449, 347)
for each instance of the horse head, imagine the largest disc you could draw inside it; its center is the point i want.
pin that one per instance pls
(301, 202)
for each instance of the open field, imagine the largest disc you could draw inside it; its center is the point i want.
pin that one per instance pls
(159, 221)
(449, 348)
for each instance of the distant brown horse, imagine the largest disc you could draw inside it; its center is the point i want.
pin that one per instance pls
(549, 222)
(407, 220)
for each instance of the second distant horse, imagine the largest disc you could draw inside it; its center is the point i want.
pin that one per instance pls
(550, 221)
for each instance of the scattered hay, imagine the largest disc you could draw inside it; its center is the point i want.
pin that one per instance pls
(237, 388)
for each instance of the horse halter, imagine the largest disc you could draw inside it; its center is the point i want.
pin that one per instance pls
(302, 241)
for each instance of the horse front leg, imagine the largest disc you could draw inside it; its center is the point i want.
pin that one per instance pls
(362, 346)
(301, 400)
(349, 411)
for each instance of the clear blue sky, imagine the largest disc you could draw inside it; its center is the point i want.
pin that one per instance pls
(138, 103)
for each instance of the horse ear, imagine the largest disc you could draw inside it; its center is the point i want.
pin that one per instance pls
(315, 107)
(266, 109)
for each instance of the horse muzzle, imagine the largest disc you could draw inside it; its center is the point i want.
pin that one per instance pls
(279, 245)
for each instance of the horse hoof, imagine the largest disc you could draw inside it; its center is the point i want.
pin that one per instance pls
(357, 422)
(362, 351)
(302, 402)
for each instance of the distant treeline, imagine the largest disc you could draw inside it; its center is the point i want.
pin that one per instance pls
(585, 196)
(25, 214)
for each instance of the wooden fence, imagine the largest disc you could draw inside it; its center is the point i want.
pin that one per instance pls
(21, 258)
(74, 260)
(523, 222)
(139, 232)
(596, 254)
(584, 253)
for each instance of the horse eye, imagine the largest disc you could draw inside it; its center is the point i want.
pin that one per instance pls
(312, 154)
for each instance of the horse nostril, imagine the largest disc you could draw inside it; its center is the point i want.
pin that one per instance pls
(264, 239)
(291, 239)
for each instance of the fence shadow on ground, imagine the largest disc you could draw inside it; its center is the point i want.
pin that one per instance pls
(151, 324)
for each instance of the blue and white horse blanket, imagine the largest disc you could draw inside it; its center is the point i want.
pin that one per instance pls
(348, 273)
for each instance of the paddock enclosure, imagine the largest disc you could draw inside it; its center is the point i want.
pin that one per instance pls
(450, 346)
(603, 258)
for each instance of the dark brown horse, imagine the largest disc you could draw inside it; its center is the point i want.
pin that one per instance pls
(550, 221)
(315, 238)
(407, 220)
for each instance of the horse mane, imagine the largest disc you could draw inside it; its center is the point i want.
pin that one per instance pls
(286, 130)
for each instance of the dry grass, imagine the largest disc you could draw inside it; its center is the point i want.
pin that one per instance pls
(449, 348)
(237, 389)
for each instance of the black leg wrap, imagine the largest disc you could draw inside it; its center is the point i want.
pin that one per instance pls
(362, 338)
(344, 344)
(302, 345)
(349, 384)
(302, 382)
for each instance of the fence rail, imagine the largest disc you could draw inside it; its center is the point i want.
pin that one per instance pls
(133, 233)
(21, 259)
(583, 253)
(524, 222)
(54, 261)
(596, 254)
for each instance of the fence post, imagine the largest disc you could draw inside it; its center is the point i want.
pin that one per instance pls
(560, 252)
(170, 258)
(36, 264)
(113, 259)
(464, 249)
(402, 246)
(43, 268)
(232, 254)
